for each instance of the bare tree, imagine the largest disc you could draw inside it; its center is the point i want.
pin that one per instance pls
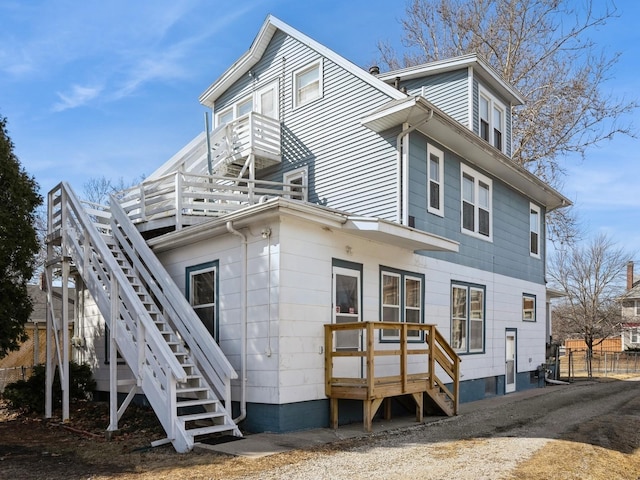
(543, 48)
(98, 189)
(592, 278)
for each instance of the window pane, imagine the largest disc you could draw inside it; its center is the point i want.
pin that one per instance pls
(534, 243)
(202, 288)
(528, 307)
(484, 108)
(206, 314)
(477, 304)
(468, 222)
(245, 107)
(346, 294)
(459, 335)
(459, 303)
(468, 188)
(483, 222)
(308, 85)
(434, 195)
(390, 314)
(483, 195)
(434, 168)
(390, 289)
(225, 117)
(413, 292)
(475, 335)
(497, 139)
(267, 104)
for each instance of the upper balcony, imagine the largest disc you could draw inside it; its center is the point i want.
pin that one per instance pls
(212, 176)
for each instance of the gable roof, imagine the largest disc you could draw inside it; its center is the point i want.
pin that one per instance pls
(260, 44)
(472, 60)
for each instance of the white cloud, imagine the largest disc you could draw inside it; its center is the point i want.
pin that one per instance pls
(78, 97)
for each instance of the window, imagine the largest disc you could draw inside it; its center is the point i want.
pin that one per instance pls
(202, 293)
(263, 100)
(296, 182)
(637, 308)
(347, 300)
(401, 300)
(635, 335)
(534, 229)
(307, 84)
(476, 203)
(435, 169)
(467, 318)
(492, 120)
(528, 307)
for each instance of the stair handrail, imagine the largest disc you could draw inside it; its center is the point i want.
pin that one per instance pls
(152, 336)
(213, 362)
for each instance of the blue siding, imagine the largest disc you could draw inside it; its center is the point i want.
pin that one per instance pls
(508, 253)
(448, 91)
(350, 167)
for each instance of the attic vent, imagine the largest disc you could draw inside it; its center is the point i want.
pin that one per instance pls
(374, 70)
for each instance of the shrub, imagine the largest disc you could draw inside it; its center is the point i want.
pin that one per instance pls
(29, 394)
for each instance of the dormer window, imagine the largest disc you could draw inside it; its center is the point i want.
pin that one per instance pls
(492, 120)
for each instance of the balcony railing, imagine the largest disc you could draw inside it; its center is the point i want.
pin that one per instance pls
(181, 199)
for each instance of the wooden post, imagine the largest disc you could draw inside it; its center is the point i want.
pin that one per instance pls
(113, 359)
(431, 359)
(64, 373)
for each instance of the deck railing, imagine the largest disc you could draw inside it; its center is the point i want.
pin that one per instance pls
(419, 361)
(182, 195)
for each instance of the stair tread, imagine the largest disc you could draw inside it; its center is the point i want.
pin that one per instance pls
(211, 429)
(195, 402)
(200, 416)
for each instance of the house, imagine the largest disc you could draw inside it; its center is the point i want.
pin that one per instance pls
(631, 311)
(340, 237)
(18, 365)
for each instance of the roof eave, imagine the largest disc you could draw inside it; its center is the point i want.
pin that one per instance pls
(467, 145)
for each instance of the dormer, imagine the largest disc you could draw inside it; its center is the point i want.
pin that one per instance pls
(469, 90)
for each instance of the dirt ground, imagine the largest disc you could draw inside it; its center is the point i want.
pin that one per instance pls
(593, 429)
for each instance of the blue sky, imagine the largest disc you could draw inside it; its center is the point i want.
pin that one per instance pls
(110, 88)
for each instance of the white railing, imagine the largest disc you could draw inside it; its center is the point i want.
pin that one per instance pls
(139, 341)
(180, 194)
(251, 133)
(208, 356)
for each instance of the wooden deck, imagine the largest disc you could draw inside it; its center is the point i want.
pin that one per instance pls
(417, 364)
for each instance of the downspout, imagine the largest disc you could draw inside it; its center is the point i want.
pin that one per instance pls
(243, 329)
(402, 169)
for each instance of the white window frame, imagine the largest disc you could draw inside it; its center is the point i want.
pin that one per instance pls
(402, 306)
(192, 273)
(493, 103)
(636, 310)
(299, 174)
(634, 335)
(528, 307)
(478, 181)
(298, 73)
(470, 316)
(535, 227)
(254, 99)
(431, 150)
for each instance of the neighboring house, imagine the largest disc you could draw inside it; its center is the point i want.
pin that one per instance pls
(18, 364)
(631, 311)
(325, 200)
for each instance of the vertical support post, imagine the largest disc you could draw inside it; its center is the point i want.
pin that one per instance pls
(403, 356)
(370, 360)
(172, 402)
(64, 374)
(252, 177)
(143, 204)
(178, 195)
(431, 358)
(113, 358)
(50, 351)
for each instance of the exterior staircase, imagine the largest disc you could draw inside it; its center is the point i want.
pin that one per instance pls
(175, 361)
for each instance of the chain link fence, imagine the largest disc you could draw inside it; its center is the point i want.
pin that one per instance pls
(575, 363)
